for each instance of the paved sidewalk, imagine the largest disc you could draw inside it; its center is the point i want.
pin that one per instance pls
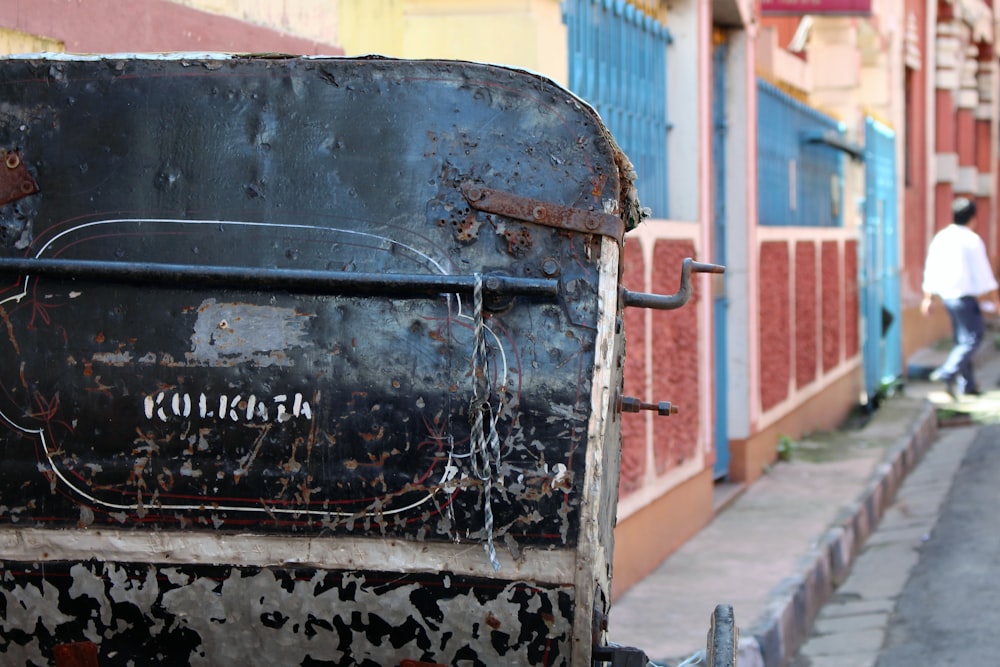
(780, 549)
(851, 628)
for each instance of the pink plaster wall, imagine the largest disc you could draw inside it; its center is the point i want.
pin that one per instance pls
(775, 332)
(113, 26)
(966, 138)
(913, 217)
(805, 313)
(675, 360)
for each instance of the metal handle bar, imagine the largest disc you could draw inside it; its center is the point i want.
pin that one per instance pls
(672, 301)
(401, 285)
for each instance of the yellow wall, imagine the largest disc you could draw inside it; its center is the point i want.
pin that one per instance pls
(12, 41)
(520, 33)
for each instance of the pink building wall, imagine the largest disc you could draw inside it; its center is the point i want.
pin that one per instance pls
(113, 26)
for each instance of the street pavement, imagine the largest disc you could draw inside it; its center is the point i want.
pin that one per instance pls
(797, 554)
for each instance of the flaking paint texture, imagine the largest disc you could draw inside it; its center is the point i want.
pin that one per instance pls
(805, 313)
(633, 466)
(159, 615)
(775, 334)
(675, 360)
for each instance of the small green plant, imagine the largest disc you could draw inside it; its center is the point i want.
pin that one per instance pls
(785, 448)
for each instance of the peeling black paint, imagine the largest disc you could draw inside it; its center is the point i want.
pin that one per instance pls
(150, 627)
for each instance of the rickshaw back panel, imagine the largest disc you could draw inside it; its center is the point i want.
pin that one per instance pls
(306, 361)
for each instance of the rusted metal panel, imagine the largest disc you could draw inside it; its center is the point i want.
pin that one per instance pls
(15, 180)
(249, 300)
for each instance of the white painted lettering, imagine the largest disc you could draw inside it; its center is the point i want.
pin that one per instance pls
(231, 408)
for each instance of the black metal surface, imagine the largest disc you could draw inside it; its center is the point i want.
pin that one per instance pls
(212, 407)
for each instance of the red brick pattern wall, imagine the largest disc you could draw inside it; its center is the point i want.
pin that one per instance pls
(633, 465)
(675, 359)
(831, 304)
(805, 313)
(775, 332)
(852, 342)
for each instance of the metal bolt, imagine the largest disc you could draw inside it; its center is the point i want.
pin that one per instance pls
(550, 267)
(631, 404)
(13, 160)
(474, 193)
(538, 212)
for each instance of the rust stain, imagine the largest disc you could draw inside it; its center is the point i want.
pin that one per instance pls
(518, 241)
(10, 330)
(598, 185)
(493, 621)
(15, 181)
(467, 229)
(377, 435)
(78, 654)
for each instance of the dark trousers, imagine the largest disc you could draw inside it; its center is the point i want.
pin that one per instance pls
(969, 329)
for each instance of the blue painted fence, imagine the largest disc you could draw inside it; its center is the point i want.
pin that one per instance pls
(800, 179)
(618, 64)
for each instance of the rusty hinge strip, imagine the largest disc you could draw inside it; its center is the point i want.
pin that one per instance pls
(543, 213)
(15, 180)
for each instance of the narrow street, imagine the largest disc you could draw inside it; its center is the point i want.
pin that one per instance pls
(923, 590)
(947, 613)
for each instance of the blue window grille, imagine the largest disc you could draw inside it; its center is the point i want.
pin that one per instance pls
(618, 64)
(800, 154)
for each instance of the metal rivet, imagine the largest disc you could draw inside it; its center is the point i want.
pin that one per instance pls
(13, 160)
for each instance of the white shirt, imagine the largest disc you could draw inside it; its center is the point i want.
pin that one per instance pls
(957, 264)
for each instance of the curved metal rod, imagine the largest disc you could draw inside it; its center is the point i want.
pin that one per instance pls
(672, 301)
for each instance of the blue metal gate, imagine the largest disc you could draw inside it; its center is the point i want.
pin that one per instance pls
(879, 263)
(720, 301)
(618, 64)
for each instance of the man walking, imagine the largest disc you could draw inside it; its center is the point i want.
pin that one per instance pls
(958, 271)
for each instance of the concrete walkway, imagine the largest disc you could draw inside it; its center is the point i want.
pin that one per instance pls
(782, 548)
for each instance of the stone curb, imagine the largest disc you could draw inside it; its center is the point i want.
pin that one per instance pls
(776, 636)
